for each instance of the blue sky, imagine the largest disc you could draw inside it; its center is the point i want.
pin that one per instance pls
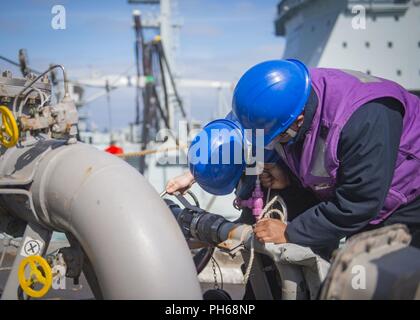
(219, 40)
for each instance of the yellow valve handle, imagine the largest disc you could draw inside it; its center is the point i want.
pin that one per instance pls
(9, 132)
(39, 272)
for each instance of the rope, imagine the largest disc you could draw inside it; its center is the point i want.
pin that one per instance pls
(266, 212)
(147, 152)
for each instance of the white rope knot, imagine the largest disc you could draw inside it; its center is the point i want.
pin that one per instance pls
(266, 212)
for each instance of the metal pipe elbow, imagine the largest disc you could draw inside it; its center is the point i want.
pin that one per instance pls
(128, 233)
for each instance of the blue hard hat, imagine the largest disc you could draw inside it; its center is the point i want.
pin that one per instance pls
(215, 157)
(271, 95)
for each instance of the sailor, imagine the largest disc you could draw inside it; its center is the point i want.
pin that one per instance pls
(216, 160)
(349, 147)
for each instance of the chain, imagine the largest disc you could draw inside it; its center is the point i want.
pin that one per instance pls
(213, 266)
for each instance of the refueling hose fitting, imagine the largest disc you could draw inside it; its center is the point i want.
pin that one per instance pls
(201, 225)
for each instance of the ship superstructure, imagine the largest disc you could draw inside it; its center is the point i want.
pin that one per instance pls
(378, 37)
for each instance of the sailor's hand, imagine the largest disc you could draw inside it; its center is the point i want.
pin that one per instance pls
(274, 177)
(270, 230)
(180, 183)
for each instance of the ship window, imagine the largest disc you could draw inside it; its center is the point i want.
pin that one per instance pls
(390, 44)
(313, 28)
(345, 44)
(367, 44)
(399, 72)
(396, 18)
(418, 43)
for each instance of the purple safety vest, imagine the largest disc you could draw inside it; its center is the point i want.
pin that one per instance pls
(340, 93)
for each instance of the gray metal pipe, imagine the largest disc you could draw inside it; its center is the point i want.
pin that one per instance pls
(128, 233)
